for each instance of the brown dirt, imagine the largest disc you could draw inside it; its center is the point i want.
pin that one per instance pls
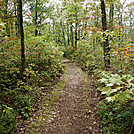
(74, 111)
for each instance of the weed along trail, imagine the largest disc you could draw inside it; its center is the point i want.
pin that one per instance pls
(72, 107)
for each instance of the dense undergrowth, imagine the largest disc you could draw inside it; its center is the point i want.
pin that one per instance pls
(115, 87)
(18, 96)
(44, 64)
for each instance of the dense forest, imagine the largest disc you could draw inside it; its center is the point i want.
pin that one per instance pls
(37, 35)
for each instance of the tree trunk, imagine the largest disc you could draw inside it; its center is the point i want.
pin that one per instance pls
(16, 19)
(97, 19)
(106, 47)
(21, 36)
(36, 17)
(7, 21)
(71, 34)
(63, 34)
(79, 32)
(76, 25)
(68, 38)
(111, 15)
(131, 19)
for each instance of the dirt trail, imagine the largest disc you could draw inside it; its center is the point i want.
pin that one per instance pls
(74, 108)
(75, 111)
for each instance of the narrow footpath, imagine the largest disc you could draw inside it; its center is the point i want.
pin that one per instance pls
(74, 108)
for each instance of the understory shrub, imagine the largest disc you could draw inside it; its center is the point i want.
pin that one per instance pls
(86, 55)
(7, 120)
(116, 117)
(116, 108)
(18, 96)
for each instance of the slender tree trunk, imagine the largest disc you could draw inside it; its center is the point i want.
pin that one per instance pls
(68, 38)
(85, 17)
(76, 25)
(63, 34)
(97, 19)
(111, 15)
(85, 22)
(36, 17)
(71, 34)
(59, 34)
(12, 27)
(16, 19)
(7, 21)
(106, 47)
(54, 32)
(21, 35)
(120, 39)
(78, 32)
(131, 33)
(53, 27)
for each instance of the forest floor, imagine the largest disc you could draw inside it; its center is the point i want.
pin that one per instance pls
(69, 108)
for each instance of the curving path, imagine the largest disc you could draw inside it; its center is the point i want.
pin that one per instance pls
(73, 110)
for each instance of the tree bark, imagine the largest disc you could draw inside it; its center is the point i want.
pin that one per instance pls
(68, 38)
(76, 25)
(21, 36)
(63, 33)
(16, 21)
(111, 15)
(36, 17)
(7, 20)
(106, 47)
(97, 20)
(71, 34)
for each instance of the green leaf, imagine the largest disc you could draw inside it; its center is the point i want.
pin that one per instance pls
(115, 79)
(103, 80)
(110, 98)
(122, 96)
(109, 85)
(108, 91)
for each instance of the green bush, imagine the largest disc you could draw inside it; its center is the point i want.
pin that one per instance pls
(116, 117)
(86, 55)
(23, 105)
(7, 120)
(116, 110)
(45, 55)
(17, 96)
